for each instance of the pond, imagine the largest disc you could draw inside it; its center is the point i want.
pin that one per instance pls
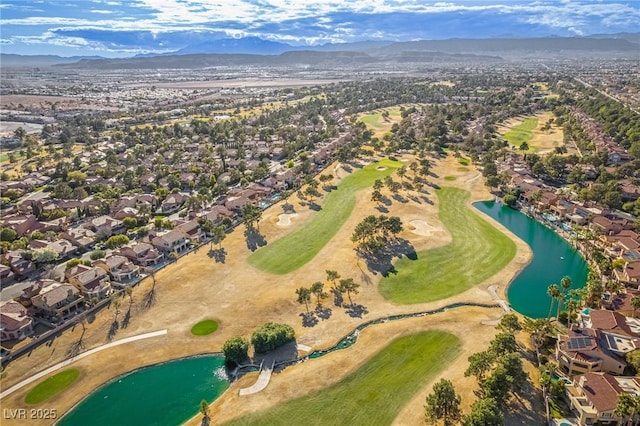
(553, 258)
(163, 394)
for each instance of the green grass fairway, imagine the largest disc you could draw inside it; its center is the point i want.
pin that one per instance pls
(299, 247)
(521, 132)
(52, 386)
(375, 393)
(204, 327)
(477, 251)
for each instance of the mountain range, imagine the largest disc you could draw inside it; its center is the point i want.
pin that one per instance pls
(253, 50)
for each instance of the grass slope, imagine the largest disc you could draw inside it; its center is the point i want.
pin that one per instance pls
(376, 392)
(52, 386)
(299, 247)
(522, 132)
(204, 327)
(477, 251)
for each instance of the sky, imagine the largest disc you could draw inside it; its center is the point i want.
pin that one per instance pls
(117, 28)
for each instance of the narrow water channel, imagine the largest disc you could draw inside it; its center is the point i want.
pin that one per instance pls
(553, 258)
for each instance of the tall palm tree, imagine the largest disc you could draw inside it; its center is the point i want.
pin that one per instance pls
(554, 293)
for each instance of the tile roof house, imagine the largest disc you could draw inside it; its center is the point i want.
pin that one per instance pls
(93, 282)
(106, 226)
(54, 298)
(6, 275)
(630, 274)
(584, 350)
(594, 396)
(80, 237)
(191, 230)
(121, 269)
(15, 324)
(142, 254)
(171, 241)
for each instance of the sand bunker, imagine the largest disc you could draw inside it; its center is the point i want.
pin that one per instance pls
(422, 227)
(285, 219)
(381, 168)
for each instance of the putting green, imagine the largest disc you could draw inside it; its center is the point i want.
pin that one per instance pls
(52, 386)
(522, 132)
(299, 247)
(477, 251)
(204, 327)
(376, 392)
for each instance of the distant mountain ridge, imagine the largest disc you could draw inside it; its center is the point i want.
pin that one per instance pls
(256, 51)
(15, 60)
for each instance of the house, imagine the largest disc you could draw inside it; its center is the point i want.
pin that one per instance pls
(594, 396)
(191, 230)
(93, 282)
(106, 226)
(15, 324)
(54, 298)
(607, 226)
(63, 248)
(585, 350)
(23, 225)
(82, 238)
(20, 266)
(173, 202)
(6, 275)
(142, 254)
(171, 241)
(630, 274)
(236, 203)
(121, 269)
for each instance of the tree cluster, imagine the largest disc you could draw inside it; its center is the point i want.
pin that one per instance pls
(374, 232)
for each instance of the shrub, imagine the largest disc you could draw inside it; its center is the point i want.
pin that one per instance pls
(236, 349)
(271, 336)
(117, 241)
(97, 254)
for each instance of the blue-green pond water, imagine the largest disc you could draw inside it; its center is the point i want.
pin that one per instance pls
(553, 258)
(163, 394)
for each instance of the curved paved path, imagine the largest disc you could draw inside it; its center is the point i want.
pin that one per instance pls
(261, 383)
(78, 357)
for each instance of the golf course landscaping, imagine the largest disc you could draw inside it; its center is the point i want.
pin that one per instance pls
(477, 251)
(204, 327)
(52, 386)
(373, 394)
(523, 132)
(300, 246)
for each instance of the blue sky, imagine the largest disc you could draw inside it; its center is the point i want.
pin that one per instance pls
(128, 27)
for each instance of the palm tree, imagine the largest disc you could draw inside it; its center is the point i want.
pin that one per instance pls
(304, 296)
(554, 292)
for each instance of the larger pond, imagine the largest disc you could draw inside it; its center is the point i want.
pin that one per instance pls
(553, 258)
(163, 394)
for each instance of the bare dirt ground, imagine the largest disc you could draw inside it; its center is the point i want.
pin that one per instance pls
(242, 298)
(543, 140)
